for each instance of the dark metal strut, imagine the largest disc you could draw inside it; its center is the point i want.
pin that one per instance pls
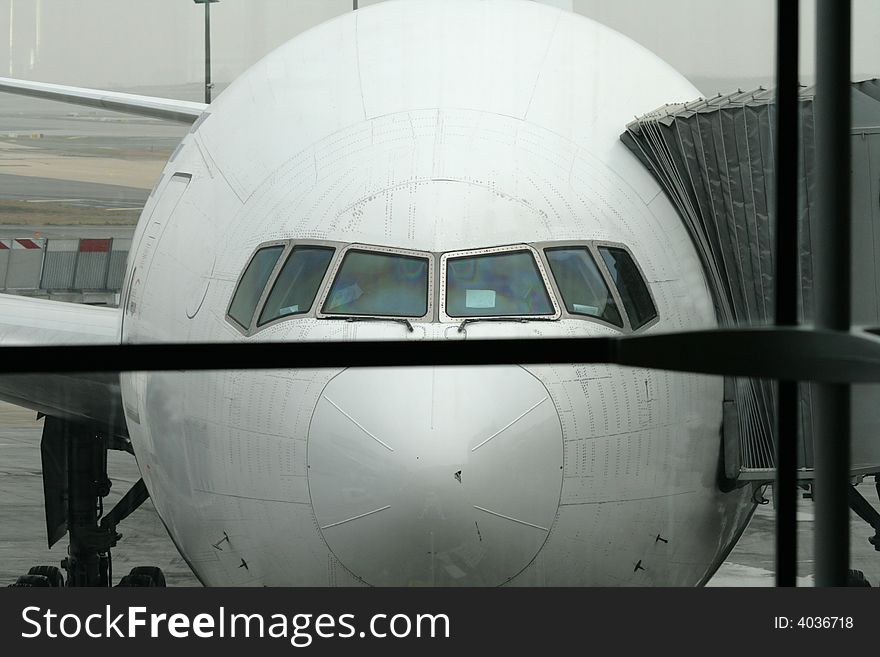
(831, 259)
(787, 283)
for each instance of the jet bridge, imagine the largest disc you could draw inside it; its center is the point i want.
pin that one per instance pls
(714, 159)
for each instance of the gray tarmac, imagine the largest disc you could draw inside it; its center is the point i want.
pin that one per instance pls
(78, 149)
(55, 156)
(146, 542)
(13, 231)
(751, 563)
(21, 115)
(70, 192)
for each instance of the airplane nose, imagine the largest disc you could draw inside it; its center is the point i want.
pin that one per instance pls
(435, 476)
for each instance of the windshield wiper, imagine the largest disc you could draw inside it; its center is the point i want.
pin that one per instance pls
(371, 318)
(471, 320)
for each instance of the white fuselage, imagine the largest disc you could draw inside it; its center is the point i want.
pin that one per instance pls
(436, 127)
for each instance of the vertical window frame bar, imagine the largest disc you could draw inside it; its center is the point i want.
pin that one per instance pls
(786, 282)
(832, 283)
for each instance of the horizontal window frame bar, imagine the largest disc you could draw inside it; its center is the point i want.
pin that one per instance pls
(786, 353)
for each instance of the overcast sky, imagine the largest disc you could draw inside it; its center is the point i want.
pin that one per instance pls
(125, 43)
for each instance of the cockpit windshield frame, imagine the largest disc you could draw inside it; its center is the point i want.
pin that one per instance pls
(246, 330)
(552, 295)
(595, 246)
(591, 248)
(437, 283)
(369, 248)
(289, 245)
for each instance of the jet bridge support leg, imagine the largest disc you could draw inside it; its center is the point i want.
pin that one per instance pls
(866, 512)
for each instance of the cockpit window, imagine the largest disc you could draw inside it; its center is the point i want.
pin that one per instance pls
(253, 281)
(379, 284)
(297, 285)
(496, 284)
(580, 282)
(632, 287)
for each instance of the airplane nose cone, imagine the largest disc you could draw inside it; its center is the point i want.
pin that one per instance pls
(435, 476)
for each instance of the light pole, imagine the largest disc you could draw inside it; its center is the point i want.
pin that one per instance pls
(208, 84)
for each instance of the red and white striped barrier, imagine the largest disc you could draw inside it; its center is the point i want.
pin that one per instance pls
(27, 244)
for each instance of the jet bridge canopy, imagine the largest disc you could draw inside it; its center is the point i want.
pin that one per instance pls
(714, 158)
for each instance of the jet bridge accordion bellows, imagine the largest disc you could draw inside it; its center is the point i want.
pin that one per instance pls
(714, 158)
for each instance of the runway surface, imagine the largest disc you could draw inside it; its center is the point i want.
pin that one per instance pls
(145, 541)
(88, 170)
(13, 231)
(70, 192)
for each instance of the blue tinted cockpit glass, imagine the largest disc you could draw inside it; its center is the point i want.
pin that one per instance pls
(253, 281)
(381, 284)
(297, 285)
(632, 287)
(498, 284)
(583, 289)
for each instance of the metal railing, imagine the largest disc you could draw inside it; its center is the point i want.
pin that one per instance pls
(63, 265)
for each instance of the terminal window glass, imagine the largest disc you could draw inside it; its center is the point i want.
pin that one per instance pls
(632, 287)
(250, 287)
(297, 285)
(379, 284)
(498, 284)
(580, 282)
